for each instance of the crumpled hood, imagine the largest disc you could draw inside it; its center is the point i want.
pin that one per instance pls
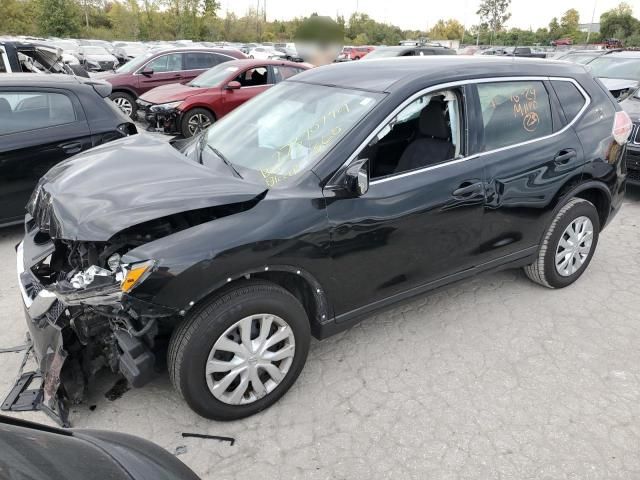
(618, 83)
(172, 92)
(96, 194)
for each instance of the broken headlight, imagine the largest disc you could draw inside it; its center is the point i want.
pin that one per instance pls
(135, 273)
(165, 106)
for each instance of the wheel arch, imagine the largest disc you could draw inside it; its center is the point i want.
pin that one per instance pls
(126, 90)
(297, 281)
(595, 192)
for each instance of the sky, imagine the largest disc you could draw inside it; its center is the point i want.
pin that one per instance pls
(422, 14)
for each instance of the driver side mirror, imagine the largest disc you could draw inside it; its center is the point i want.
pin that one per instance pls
(233, 85)
(147, 72)
(357, 177)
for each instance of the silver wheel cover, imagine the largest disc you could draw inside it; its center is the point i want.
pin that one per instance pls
(124, 105)
(250, 359)
(574, 246)
(197, 123)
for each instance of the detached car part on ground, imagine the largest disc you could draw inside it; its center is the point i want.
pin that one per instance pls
(187, 109)
(38, 452)
(332, 195)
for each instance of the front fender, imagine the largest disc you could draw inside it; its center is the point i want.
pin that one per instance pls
(277, 233)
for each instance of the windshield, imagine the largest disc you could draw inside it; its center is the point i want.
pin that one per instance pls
(578, 58)
(133, 64)
(213, 76)
(287, 129)
(616, 67)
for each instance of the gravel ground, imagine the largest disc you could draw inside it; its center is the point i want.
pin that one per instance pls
(492, 378)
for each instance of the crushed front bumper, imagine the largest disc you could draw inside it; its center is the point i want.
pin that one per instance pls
(166, 121)
(39, 389)
(76, 332)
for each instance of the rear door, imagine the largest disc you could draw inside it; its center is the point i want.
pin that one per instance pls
(38, 128)
(165, 69)
(195, 63)
(530, 154)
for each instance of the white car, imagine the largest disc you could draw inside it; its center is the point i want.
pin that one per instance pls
(265, 53)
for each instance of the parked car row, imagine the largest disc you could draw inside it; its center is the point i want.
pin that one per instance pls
(299, 212)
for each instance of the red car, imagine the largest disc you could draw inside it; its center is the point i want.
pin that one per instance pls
(356, 53)
(190, 108)
(159, 68)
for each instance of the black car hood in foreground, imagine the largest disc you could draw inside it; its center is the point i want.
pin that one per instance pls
(124, 183)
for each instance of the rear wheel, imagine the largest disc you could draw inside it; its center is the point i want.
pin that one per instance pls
(125, 102)
(240, 352)
(195, 121)
(568, 245)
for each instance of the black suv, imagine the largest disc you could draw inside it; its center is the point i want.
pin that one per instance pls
(334, 194)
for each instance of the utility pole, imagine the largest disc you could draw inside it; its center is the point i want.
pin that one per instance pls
(593, 15)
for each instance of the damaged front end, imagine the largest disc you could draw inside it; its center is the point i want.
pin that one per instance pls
(163, 118)
(81, 318)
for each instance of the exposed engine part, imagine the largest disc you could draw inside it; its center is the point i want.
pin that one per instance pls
(85, 278)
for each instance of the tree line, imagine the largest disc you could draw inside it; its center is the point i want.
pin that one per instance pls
(201, 20)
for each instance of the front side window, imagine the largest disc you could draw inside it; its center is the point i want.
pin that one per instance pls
(514, 112)
(25, 111)
(254, 77)
(166, 63)
(287, 129)
(425, 133)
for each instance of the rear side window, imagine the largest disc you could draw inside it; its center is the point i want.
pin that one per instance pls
(200, 60)
(514, 112)
(570, 98)
(25, 111)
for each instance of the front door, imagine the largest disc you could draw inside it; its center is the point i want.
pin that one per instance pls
(252, 82)
(421, 219)
(161, 71)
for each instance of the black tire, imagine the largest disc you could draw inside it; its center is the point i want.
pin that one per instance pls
(194, 338)
(186, 118)
(126, 97)
(543, 271)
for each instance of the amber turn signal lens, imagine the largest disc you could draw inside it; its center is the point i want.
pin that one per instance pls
(135, 275)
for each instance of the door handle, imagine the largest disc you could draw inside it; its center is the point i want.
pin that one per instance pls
(71, 148)
(468, 189)
(564, 156)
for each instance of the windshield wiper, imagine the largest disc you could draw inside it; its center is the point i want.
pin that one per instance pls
(224, 159)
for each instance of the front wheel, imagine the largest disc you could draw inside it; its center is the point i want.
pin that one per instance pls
(240, 352)
(568, 245)
(195, 121)
(125, 102)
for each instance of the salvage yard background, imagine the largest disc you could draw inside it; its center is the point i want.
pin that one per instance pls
(490, 378)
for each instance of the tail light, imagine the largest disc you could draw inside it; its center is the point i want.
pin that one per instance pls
(622, 127)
